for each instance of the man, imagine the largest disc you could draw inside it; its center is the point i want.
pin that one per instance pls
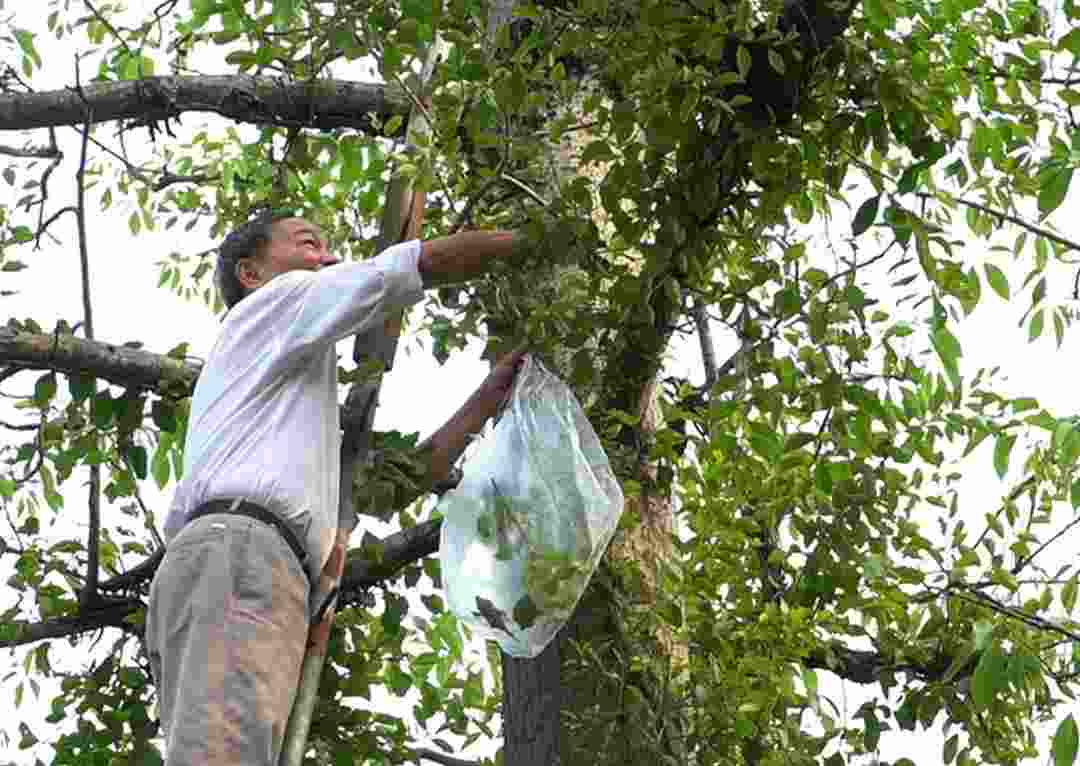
(254, 518)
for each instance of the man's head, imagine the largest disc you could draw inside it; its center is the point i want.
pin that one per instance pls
(272, 243)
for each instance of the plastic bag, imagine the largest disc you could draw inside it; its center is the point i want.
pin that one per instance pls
(526, 527)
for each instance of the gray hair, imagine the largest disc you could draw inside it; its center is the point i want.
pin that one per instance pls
(245, 241)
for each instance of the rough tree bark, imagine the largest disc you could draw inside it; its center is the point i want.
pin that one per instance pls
(318, 104)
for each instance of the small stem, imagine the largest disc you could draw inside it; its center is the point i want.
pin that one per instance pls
(90, 589)
(708, 349)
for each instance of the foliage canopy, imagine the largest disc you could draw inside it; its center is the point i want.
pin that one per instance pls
(831, 187)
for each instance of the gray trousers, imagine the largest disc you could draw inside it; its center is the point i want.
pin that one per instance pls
(226, 629)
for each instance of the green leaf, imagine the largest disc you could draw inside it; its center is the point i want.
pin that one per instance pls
(1065, 742)
(1068, 594)
(163, 412)
(985, 681)
(949, 752)
(949, 350)
(81, 386)
(1035, 327)
(136, 456)
(776, 61)
(865, 215)
(45, 389)
(102, 409)
(22, 234)
(872, 730)
(283, 13)
(1053, 179)
(159, 466)
(1002, 449)
(1074, 494)
(398, 680)
(26, 42)
(998, 281)
(393, 125)
(744, 727)
(242, 59)
(984, 632)
(743, 61)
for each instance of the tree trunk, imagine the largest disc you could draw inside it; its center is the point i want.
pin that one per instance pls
(594, 695)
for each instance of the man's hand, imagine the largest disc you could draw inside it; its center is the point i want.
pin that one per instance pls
(328, 584)
(445, 445)
(494, 392)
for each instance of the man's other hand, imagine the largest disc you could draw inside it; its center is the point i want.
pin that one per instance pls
(495, 391)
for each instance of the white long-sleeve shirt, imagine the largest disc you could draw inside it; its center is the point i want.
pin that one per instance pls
(265, 424)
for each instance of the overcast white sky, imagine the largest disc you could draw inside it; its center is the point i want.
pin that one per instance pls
(418, 395)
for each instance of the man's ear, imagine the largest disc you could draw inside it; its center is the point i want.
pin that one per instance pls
(248, 273)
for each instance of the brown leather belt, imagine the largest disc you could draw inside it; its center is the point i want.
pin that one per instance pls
(244, 508)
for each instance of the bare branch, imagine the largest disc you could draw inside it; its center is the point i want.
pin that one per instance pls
(19, 426)
(1025, 560)
(317, 104)
(33, 152)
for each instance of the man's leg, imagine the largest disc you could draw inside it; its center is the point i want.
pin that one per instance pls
(226, 629)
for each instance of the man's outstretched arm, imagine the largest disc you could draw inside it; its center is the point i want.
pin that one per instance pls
(444, 447)
(466, 255)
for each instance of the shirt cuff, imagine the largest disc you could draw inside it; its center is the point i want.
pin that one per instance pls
(400, 267)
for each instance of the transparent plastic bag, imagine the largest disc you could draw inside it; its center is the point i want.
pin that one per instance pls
(525, 529)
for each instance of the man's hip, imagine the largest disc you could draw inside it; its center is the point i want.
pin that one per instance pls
(226, 629)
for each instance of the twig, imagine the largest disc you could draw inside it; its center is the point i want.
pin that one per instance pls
(90, 589)
(525, 188)
(32, 470)
(1033, 228)
(1004, 609)
(41, 231)
(147, 515)
(445, 760)
(45, 187)
(168, 179)
(19, 426)
(1023, 562)
(465, 217)
(108, 26)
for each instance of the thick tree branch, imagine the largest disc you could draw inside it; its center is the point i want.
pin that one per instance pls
(375, 563)
(319, 104)
(104, 614)
(368, 565)
(121, 365)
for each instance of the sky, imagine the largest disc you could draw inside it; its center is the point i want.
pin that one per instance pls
(418, 394)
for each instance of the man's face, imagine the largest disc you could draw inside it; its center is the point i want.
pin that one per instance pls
(296, 244)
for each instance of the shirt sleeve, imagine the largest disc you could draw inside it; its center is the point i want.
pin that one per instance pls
(315, 309)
